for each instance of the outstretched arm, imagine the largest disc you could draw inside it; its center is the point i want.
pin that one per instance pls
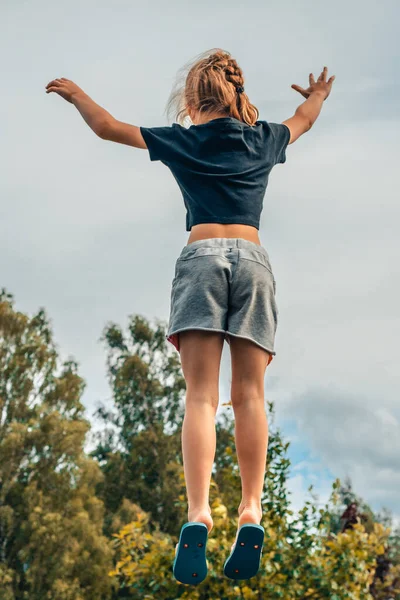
(307, 113)
(99, 120)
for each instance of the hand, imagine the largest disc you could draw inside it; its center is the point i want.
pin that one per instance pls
(64, 87)
(321, 85)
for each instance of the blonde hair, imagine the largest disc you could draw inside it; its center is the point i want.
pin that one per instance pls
(207, 84)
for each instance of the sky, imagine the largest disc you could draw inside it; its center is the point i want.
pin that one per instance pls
(91, 229)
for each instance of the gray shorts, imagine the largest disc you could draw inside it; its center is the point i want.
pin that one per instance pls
(226, 285)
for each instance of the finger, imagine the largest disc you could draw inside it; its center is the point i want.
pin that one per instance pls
(331, 79)
(322, 77)
(54, 88)
(311, 79)
(54, 82)
(298, 88)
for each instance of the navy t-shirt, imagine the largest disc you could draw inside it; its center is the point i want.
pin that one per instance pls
(222, 167)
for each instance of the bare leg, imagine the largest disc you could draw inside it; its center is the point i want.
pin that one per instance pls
(198, 448)
(251, 435)
(251, 425)
(200, 357)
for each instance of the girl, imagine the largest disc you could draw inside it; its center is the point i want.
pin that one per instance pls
(224, 287)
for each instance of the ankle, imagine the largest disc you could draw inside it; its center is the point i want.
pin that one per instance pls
(201, 515)
(199, 509)
(250, 506)
(249, 516)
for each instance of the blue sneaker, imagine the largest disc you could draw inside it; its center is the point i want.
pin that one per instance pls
(244, 560)
(190, 565)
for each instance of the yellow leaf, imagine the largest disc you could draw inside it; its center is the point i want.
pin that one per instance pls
(221, 511)
(213, 543)
(247, 593)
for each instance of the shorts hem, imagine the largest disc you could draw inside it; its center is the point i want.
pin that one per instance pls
(174, 339)
(245, 337)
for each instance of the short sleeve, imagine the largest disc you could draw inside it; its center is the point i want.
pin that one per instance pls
(280, 136)
(159, 142)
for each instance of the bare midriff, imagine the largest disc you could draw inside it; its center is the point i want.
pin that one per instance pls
(222, 230)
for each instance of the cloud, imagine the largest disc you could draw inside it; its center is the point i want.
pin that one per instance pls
(353, 435)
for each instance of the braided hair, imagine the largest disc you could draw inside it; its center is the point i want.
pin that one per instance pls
(212, 83)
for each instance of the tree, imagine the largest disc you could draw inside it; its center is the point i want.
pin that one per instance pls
(302, 557)
(352, 509)
(51, 542)
(139, 448)
(305, 556)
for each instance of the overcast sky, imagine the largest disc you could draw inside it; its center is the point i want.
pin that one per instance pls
(91, 229)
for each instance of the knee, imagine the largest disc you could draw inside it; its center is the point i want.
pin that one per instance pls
(247, 397)
(203, 398)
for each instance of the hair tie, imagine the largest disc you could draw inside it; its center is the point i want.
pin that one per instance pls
(239, 89)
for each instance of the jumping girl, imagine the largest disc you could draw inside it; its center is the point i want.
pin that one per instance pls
(224, 287)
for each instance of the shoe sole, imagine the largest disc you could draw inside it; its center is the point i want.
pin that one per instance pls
(244, 560)
(190, 564)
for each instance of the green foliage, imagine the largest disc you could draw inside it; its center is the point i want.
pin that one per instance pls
(51, 542)
(52, 545)
(301, 558)
(305, 556)
(139, 447)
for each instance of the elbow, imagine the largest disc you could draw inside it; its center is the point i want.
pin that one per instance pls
(103, 130)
